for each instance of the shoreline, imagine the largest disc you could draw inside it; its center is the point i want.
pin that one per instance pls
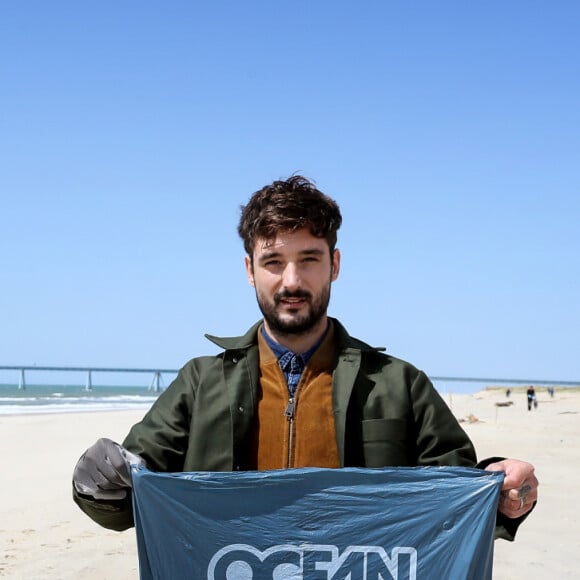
(79, 411)
(65, 405)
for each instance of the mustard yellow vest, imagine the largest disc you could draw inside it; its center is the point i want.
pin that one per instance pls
(308, 437)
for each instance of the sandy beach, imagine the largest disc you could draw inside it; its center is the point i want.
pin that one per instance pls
(43, 535)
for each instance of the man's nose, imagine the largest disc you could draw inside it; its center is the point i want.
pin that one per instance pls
(291, 276)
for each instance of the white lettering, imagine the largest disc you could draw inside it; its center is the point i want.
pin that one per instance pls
(312, 562)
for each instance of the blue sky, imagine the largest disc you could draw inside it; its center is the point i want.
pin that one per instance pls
(449, 133)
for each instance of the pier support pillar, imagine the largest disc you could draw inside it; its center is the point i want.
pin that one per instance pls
(89, 385)
(155, 385)
(22, 383)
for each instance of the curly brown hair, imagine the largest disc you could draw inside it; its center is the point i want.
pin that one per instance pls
(286, 206)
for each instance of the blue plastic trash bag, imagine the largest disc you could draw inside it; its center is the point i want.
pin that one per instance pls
(317, 524)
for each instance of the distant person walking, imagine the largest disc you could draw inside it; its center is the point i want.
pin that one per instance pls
(532, 400)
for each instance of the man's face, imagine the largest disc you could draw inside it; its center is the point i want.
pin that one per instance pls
(292, 275)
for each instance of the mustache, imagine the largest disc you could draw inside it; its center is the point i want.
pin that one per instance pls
(295, 294)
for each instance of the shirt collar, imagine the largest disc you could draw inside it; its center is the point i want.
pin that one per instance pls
(280, 350)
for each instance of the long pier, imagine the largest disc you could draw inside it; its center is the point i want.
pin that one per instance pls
(155, 384)
(534, 382)
(157, 373)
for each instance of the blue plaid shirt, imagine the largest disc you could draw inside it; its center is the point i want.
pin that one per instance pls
(292, 364)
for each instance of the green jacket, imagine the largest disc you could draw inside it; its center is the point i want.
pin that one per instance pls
(387, 413)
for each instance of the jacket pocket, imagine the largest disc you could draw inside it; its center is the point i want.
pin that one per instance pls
(385, 443)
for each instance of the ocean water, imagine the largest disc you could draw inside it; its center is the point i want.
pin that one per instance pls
(73, 398)
(66, 398)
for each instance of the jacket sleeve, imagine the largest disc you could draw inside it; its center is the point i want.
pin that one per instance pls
(114, 515)
(442, 441)
(505, 528)
(160, 438)
(439, 438)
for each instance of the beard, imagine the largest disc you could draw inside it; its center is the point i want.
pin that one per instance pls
(297, 324)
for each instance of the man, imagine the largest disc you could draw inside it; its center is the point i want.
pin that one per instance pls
(531, 397)
(296, 390)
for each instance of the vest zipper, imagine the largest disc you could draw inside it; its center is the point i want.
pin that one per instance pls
(289, 414)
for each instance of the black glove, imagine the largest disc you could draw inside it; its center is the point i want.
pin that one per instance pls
(104, 470)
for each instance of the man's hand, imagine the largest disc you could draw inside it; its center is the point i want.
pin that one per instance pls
(104, 472)
(520, 487)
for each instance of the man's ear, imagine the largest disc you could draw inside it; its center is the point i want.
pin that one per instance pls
(335, 265)
(249, 270)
